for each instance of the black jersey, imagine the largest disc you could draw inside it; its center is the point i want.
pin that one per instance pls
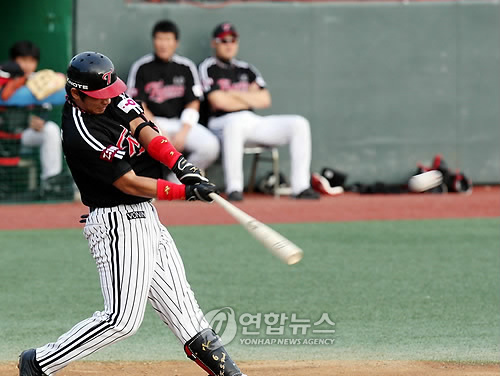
(216, 74)
(165, 86)
(99, 149)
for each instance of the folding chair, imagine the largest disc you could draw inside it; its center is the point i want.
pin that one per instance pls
(257, 151)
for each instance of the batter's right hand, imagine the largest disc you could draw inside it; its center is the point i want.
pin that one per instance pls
(200, 191)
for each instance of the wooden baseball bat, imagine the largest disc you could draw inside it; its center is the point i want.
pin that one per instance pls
(280, 246)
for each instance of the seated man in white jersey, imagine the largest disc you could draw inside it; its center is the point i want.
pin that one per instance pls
(233, 89)
(169, 88)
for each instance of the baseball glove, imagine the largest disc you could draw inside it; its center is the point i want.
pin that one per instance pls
(45, 82)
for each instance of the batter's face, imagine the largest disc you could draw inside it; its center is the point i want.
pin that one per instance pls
(226, 48)
(88, 104)
(165, 45)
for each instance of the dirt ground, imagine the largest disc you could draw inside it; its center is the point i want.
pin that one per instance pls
(276, 368)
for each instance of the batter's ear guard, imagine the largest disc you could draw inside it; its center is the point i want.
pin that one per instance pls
(207, 351)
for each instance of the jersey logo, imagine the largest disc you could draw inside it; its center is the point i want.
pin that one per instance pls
(226, 84)
(158, 92)
(136, 215)
(127, 141)
(109, 153)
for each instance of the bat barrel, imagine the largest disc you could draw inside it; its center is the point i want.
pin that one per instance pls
(276, 243)
(294, 258)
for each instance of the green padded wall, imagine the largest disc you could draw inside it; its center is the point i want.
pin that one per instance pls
(47, 23)
(384, 85)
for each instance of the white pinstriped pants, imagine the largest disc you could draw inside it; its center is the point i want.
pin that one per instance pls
(137, 261)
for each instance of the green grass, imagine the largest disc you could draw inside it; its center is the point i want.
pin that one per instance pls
(395, 289)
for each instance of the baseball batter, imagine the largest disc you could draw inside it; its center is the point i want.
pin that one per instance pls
(115, 157)
(234, 89)
(170, 92)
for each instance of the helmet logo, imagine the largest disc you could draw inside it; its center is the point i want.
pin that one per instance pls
(107, 77)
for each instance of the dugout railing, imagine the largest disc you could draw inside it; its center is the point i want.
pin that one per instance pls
(19, 164)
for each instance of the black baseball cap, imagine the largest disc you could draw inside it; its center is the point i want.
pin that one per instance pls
(223, 30)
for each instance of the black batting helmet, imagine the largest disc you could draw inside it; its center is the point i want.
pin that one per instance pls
(94, 74)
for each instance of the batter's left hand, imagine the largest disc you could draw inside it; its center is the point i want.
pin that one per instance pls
(187, 173)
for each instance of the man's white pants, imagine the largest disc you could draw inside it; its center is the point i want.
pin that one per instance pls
(238, 129)
(49, 141)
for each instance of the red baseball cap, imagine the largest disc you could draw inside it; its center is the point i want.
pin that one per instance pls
(223, 30)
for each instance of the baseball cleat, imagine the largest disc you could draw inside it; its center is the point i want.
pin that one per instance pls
(307, 194)
(28, 366)
(321, 184)
(235, 196)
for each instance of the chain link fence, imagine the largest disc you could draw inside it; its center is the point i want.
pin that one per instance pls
(20, 165)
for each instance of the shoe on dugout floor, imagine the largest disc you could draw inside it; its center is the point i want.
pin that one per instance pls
(28, 366)
(307, 194)
(235, 196)
(322, 185)
(57, 187)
